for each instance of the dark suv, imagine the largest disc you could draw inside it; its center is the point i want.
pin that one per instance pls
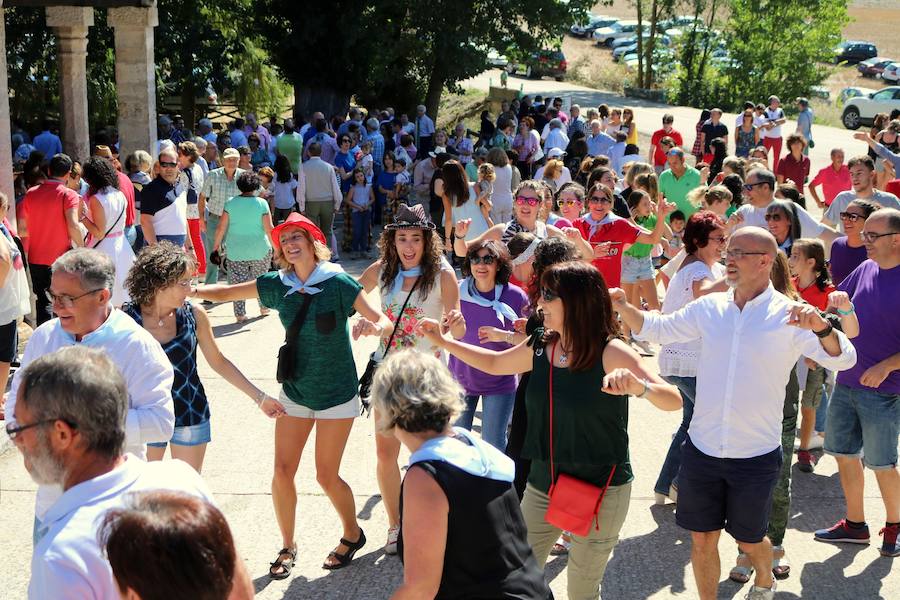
(854, 52)
(539, 64)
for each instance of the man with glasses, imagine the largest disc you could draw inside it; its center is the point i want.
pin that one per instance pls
(219, 186)
(731, 459)
(676, 182)
(164, 204)
(609, 235)
(864, 414)
(80, 289)
(862, 178)
(71, 426)
(759, 191)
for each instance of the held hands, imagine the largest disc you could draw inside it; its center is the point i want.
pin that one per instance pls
(622, 382)
(602, 249)
(462, 227)
(572, 234)
(455, 323)
(519, 325)
(432, 331)
(366, 327)
(664, 209)
(272, 407)
(487, 333)
(838, 300)
(618, 298)
(806, 316)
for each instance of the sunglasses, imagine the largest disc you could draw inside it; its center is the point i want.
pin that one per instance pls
(854, 217)
(750, 186)
(774, 217)
(482, 260)
(523, 200)
(600, 199)
(168, 164)
(569, 202)
(548, 295)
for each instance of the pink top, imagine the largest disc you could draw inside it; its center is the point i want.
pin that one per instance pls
(833, 183)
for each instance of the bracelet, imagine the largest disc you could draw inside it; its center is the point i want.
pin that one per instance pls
(260, 396)
(847, 312)
(509, 337)
(646, 388)
(825, 332)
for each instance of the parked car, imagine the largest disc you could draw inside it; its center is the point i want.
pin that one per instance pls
(539, 64)
(874, 66)
(631, 40)
(497, 60)
(594, 23)
(620, 51)
(861, 110)
(852, 92)
(605, 36)
(891, 73)
(854, 51)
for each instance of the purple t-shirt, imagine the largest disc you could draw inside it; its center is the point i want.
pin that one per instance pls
(473, 380)
(844, 259)
(874, 294)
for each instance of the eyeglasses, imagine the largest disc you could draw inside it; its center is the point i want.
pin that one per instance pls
(185, 283)
(719, 240)
(870, 237)
(749, 186)
(569, 202)
(548, 295)
(738, 254)
(853, 217)
(168, 165)
(523, 200)
(600, 199)
(65, 300)
(482, 260)
(345, 141)
(774, 217)
(13, 430)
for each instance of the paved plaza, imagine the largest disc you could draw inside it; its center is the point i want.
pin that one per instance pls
(651, 561)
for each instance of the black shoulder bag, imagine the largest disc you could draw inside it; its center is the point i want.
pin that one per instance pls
(365, 382)
(287, 352)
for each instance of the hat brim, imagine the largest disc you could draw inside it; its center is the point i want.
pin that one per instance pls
(314, 232)
(411, 225)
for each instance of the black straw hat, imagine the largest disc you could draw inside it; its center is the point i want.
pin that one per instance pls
(410, 217)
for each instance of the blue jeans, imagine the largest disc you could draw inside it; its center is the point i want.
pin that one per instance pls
(669, 472)
(178, 240)
(863, 422)
(212, 271)
(496, 410)
(361, 221)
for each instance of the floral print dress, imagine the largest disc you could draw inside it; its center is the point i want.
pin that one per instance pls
(418, 308)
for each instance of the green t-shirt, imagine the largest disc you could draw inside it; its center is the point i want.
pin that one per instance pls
(642, 250)
(292, 147)
(676, 190)
(324, 370)
(246, 238)
(472, 171)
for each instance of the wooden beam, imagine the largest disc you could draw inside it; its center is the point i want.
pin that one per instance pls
(93, 3)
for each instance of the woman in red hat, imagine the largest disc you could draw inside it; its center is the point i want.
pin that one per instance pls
(319, 386)
(411, 271)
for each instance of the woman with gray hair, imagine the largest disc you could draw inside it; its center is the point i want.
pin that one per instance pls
(460, 514)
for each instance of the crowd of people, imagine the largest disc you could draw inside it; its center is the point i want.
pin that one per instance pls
(526, 268)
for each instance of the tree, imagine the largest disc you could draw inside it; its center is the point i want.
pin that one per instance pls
(695, 81)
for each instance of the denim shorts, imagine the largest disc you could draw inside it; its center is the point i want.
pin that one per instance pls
(734, 494)
(863, 422)
(636, 269)
(188, 435)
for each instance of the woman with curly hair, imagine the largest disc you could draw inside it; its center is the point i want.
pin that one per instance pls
(410, 272)
(159, 283)
(314, 299)
(105, 220)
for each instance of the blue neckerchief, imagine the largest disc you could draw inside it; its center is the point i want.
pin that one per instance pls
(476, 458)
(595, 225)
(324, 271)
(469, 293)
(401, 275)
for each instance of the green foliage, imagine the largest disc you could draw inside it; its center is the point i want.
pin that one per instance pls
(259, 88)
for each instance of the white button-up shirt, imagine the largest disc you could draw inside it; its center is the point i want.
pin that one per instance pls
(68, 561)
(144, 365)
(745, 361)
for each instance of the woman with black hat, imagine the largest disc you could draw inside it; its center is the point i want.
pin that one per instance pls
(314, 299)
(415, 282)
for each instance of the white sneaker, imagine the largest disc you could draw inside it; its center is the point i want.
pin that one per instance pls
(817, 440)
(761, 593)
(391, 546)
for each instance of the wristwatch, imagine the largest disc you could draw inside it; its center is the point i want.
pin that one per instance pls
(825, 332)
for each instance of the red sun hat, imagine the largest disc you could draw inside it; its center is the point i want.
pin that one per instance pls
(297, 220)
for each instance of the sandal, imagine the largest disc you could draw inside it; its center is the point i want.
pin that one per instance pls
(561, 548)
(285, 564)
(781, 568)
(741, 573)
(344, 559)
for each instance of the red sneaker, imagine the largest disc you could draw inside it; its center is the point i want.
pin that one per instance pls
(889, 546)
(806, 461)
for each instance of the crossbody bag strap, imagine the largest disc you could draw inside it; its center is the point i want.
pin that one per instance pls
(552, 467)
(399, 316)
(291, 333)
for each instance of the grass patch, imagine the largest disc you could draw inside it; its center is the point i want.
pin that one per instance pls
(465, 107)
(601, 75)
(826, 113)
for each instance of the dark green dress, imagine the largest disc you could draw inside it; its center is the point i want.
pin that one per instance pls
(590, 427)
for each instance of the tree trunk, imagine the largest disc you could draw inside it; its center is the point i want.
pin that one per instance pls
(651, 44)
(329, 101)
(189, 103)
(639, 4)
(433, 95)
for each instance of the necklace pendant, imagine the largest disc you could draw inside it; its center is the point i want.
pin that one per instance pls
(564, 359)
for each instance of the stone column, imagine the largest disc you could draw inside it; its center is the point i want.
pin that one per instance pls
(70, 24)
(6, 174)
(135, 76)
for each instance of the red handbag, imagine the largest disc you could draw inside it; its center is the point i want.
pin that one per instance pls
(574, 504)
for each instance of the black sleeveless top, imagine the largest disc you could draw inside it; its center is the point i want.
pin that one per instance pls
(487, 555)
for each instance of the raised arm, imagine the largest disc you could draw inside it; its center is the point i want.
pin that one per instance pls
(663, 209)
(227, 293)
(506, 362)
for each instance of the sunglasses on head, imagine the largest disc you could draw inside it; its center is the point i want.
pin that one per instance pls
(482, 260)
(523, 200)
(548, 295)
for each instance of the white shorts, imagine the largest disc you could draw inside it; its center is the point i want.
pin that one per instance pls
(347, 410)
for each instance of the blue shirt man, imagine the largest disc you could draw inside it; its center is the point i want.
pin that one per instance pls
(47, 142)
(600, 143)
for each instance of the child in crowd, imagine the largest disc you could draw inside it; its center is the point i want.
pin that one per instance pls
(401, 185)
(670, 248)
(266, 192)
(283, 189)
(366, 162)
(485, 186)
(810, 276)
(360, 198)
